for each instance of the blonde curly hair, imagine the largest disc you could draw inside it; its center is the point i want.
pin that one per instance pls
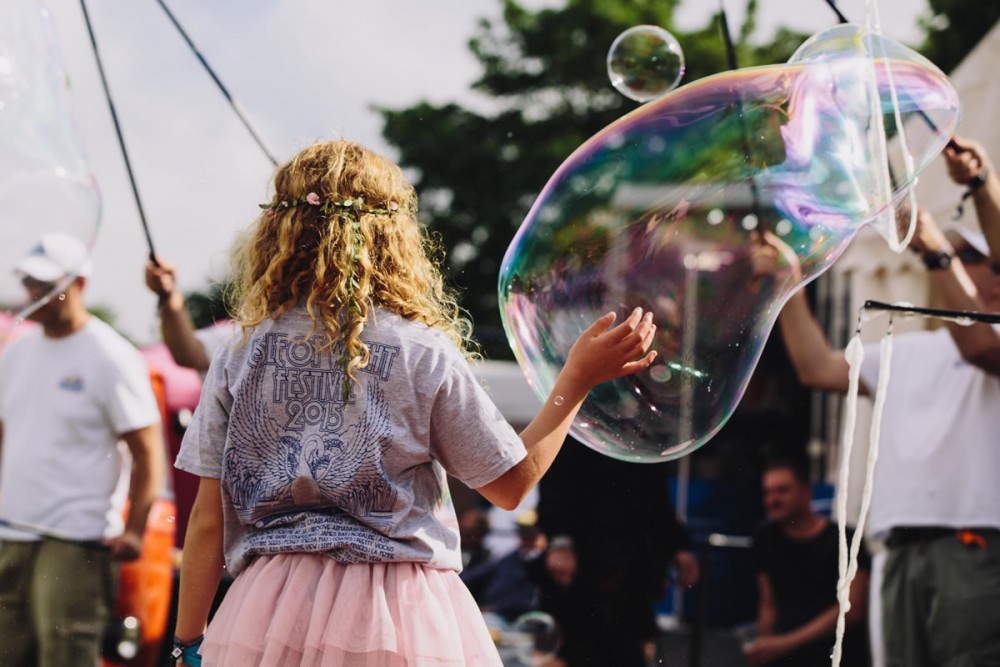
(342, 264)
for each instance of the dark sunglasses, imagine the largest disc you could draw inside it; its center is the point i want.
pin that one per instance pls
(35, 285)
(972, 257)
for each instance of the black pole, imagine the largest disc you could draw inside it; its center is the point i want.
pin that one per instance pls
(727, 39)
(731, 59)
(975, 316)
(840, 17)
(118, 132)
(218, 82)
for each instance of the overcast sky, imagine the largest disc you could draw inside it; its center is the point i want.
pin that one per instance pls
(302, 70)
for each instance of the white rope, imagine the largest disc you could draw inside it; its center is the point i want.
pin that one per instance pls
(848, 559)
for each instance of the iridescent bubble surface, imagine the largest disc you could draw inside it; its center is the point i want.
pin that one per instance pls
(710, 207)
(645, 62)
(45, 183)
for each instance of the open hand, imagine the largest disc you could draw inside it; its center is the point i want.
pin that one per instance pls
(603, 352)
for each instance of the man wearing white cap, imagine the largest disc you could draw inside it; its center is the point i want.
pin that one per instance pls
(69, 391)
(936, 497)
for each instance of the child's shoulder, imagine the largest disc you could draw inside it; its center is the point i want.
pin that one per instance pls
(391, 328)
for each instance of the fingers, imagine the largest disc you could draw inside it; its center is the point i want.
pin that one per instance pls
(635, 321)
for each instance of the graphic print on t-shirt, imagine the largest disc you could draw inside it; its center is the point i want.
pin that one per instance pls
(290, 449)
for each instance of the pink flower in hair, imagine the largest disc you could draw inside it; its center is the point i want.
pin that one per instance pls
(313, 198)
(270, 212)
(393, 206)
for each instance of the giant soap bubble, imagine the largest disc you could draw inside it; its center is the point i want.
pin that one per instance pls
(669, 207)
(45, 184)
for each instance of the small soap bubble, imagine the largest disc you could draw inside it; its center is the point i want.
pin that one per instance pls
(645, 62)
(558, 400)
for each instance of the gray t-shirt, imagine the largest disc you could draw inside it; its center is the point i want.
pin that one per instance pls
(361, 481)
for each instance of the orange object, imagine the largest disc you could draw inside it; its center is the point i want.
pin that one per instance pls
(968, 537)
(145, 585)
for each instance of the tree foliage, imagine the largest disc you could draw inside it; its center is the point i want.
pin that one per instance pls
(545, 82)
(955, 27)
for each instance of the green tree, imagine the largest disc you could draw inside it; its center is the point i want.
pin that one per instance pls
(207, 308)
(954, 27)
(545, 74)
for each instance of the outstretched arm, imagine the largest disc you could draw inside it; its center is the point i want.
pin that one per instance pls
(601, 353)
(969, 165)
(175, 320)
(816, 363)
(979, 344)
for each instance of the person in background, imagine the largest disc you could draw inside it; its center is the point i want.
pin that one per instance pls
(504, 586)
(796, 555)
(935, 502)
(70, 390)
(473, 526)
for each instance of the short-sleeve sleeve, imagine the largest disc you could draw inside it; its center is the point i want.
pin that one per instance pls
(130, 403)
(205, 438)
(469, 435)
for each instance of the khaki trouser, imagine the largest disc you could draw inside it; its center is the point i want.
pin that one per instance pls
(55, 600)
(941, 603)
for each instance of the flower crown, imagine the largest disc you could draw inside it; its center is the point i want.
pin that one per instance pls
(330, 206)
(350, 210)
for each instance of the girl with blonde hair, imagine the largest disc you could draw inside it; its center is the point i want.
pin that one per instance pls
(323, 439)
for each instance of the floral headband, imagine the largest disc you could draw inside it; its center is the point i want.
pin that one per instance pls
(330, 206)
(348, 209)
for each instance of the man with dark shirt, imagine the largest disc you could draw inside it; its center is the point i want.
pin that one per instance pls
(796, 555)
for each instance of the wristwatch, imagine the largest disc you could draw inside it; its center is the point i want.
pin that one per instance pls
(936, 260)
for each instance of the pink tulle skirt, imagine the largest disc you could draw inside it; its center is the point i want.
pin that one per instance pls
(312, 611)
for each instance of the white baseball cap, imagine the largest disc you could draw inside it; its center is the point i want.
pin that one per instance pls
(56, 256)
(975, 240)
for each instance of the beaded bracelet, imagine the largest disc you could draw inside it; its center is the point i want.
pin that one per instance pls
(187, 652)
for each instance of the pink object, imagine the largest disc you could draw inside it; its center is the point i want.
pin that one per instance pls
(313, 198)
(310, 610)
(181, 386)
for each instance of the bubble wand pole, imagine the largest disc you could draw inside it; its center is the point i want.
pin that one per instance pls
(962, 316)
(218, 82)
(118, 132)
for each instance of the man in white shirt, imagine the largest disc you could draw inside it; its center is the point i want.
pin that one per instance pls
(70, 390)
(936, 500)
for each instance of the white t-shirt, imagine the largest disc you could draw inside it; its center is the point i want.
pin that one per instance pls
(361, 481)
(64, 403)
(939, 456)
(218, 336)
